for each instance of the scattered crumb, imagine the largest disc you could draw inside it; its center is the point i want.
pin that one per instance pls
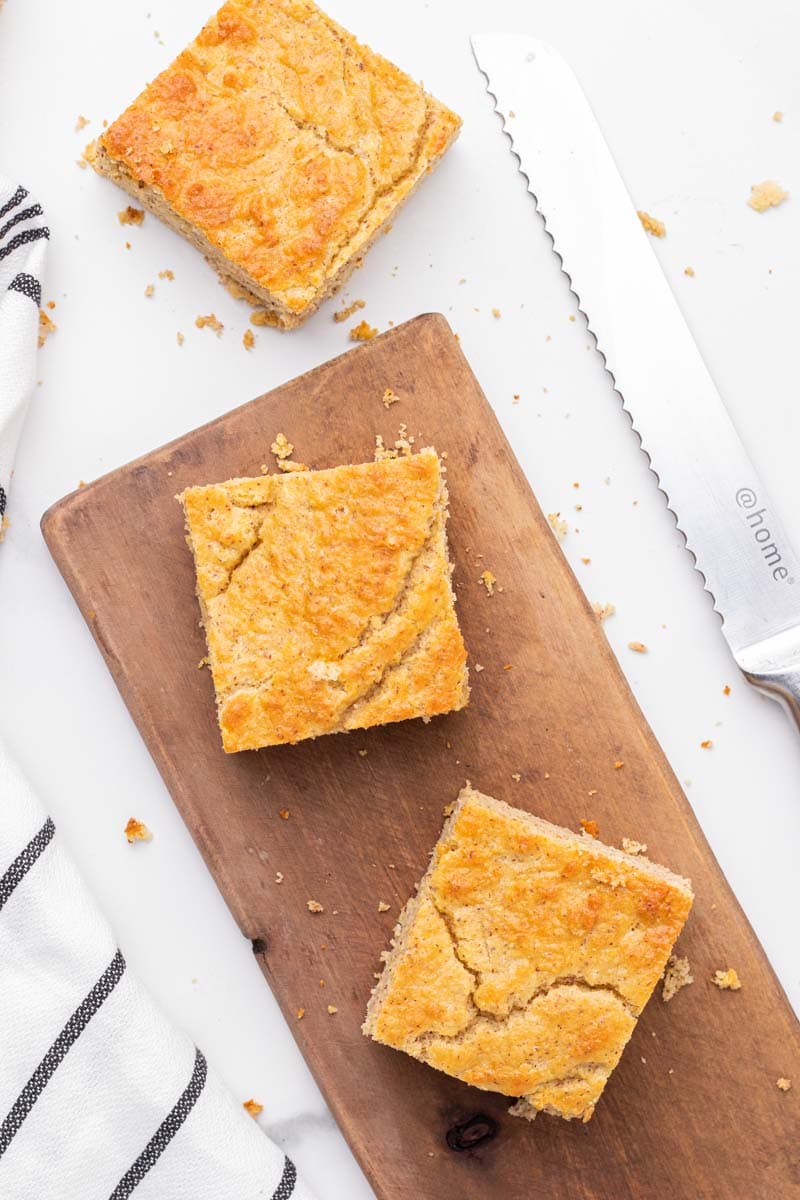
(253, 1107)
(282, 447)
(488, 580)
(590, 827)
(496, 313)
(507, 666)
(515, 775)
(345, 313)
(149, 290)
(768, 194)
(332, 1009)
(286, 465)
(572, 316)
(301, 1012)
(619, 764)
(603, 611)
(137, 831)
(515, 398)
(727, 981)
(652, 224)
(776, 116)
(362, 332)
(279, 876)
(586, 561)
(689, 271)
(631, 846)
(203, 662)
(248, 339)
(382, 453)
(211, 322)
(784, 1084)
(314, 906)
(283, 813)
(82, 163)
(676, 976)
(46, 327)
(559, 526)
(262, 316)
(726, 691)
(707, 744)
(130, 216)
(637, 647)
(383, 906)
(362, 753)
(478, 667)
(127, 245)
(592, 792)
(179, 338)
(389, 398)
(83, 121)
(167, 274)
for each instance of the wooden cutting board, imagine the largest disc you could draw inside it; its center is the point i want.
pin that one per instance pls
(693, 1110)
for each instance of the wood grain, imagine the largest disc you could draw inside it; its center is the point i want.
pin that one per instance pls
(693, 1109)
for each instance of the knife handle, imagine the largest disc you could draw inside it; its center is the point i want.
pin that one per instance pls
(783, 685)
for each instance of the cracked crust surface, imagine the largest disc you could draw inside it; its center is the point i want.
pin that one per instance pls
(280, 146)
(326, 599)
(526, 956)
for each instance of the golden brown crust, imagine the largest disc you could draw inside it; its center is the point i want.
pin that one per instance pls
(326, 599)
(527, 955)
(282, 142)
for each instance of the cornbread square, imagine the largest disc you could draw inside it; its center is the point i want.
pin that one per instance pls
(280, 147)
(526, 956)
(326, 599)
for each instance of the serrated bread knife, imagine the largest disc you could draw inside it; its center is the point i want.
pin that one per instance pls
(723, 510)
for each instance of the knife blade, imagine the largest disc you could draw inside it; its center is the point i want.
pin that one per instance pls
(731, 527)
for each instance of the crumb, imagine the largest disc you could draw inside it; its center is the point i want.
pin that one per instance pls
(301, 1012)
(203, 662)
(784, 1084)
(279, 876)
(262, 316)
(344, 313)
(559, 526)
(282, 447)
(286, 465)
(630, 846)
(46, 327)
(689, 271)
(637, 647)
(253, 1107)
(652, 224)
(149, 290)
(707, 744)
(571, 316)
(210, 321)
(283, 813)
(488, 580)
(619, 764)
(603, 611)
(248, 339)
(82, 163)
(314, 906)
(726, 691)
(81, 122)
(507, 666)
(389, 398)
(362, 753)
(179, 338)
(776, 116)
(362, 332)
(478, 667)
(496, 313)
(382, 453)
(130, 216)
(170, 275)
(515, 775)
(4, 526)
(586, 561)
(127, 245)
(590, 827)
(332, 1009)
(768, 194)
(383, 906)
(137, 831)
(515, 399)
(727, 981)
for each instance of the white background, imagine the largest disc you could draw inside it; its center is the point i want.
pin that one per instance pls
(685, 94)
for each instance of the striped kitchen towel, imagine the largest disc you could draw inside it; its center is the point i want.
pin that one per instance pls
(100, 1098)
(23, 239)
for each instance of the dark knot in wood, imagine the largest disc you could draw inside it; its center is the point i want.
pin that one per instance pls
(471, 1133)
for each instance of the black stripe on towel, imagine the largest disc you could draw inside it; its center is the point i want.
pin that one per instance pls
(288, 1179)
(27, 857)
(29, 287)
(21, 239)
(165, 1132)
(35, 210)
(58, 1051)
(3, 503)
(17, 198)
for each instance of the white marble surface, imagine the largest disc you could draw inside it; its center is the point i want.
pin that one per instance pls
(685, 94)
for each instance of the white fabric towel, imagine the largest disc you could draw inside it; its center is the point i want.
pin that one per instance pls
(100, 1097)
(23, 240)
